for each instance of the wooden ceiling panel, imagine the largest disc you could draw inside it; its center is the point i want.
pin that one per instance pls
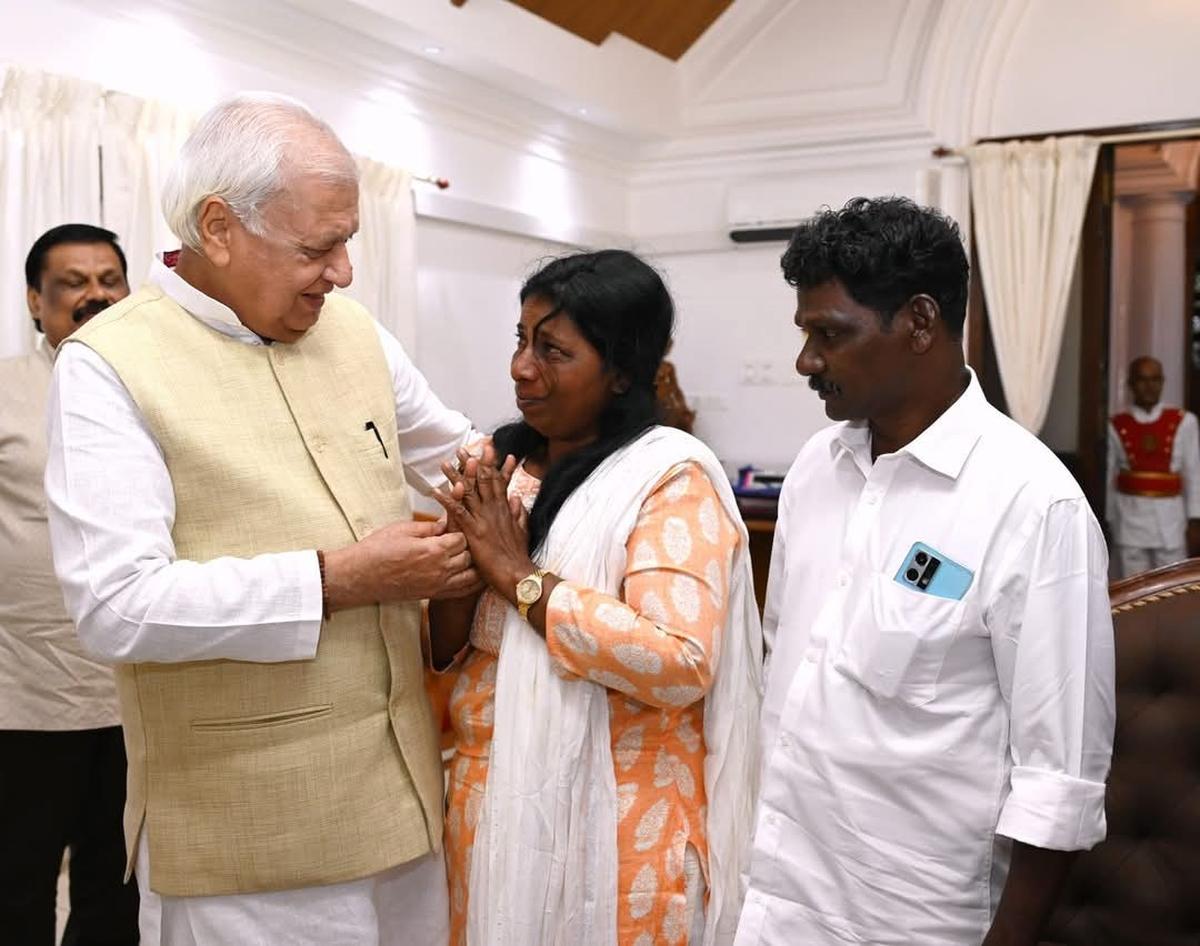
(669, 27)
(592, 20)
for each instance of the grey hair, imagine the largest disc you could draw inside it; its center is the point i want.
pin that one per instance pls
(243, 151)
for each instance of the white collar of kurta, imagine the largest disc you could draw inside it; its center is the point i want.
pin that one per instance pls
(1143, 416)
(216, 315)
(45, 349)
(943, 446)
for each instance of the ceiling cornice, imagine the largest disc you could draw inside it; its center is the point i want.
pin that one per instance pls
(894, 92)
(702, 65)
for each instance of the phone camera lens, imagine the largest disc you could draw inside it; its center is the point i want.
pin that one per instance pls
(922, 558)
(912, 574)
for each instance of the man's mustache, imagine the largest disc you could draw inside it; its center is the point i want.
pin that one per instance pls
(90, 308)
(821, 386)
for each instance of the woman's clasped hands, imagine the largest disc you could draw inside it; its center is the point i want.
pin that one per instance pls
(494, 524)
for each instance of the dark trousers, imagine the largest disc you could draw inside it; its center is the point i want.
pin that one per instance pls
(62, 790)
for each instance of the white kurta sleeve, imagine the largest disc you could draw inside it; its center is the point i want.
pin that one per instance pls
(428, 431)
(111, 508)
(1053, 645)
(1187, 456)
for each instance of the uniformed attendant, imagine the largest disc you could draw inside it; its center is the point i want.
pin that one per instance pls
(1154, 476)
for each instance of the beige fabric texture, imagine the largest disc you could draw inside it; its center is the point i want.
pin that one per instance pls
(256, 777)
(47, 682)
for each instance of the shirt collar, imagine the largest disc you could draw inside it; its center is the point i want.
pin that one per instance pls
(1146, 417)
(853, 438)
(45, 350)
(943, 446)
(216, 315)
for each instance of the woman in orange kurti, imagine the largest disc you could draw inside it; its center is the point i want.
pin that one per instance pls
(655, 646)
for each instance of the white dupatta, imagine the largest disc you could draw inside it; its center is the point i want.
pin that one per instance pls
(544, 865)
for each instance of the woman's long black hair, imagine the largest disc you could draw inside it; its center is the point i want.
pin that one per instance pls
(620, 305)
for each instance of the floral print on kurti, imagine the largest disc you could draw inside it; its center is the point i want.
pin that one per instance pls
(655, 649)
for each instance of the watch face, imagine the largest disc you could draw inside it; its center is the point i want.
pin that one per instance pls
(528, 590)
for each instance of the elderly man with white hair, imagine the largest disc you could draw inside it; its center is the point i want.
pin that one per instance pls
(228, 451)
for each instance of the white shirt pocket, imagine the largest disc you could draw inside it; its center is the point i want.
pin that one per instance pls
(896, 639)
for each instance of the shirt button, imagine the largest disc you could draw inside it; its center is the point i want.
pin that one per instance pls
(318, 444)
(872, 498)
(812, 655)
(843, 580)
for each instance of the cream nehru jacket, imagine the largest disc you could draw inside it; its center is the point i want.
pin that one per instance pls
(250, 776)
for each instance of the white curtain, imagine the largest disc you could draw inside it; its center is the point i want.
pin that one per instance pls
(384, 252)
(1029, 200)
(141, 140)
(49, 175)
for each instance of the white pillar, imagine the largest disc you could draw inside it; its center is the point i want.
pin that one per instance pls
(1158, 303)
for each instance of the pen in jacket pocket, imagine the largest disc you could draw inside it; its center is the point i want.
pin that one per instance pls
(370, 425)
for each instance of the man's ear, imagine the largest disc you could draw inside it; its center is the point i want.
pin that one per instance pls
(216, 221)
(620, 384)
(925, 323)
(33, 299)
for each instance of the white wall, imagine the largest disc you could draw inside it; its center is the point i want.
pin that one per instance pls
(736, 344)
(467, 287)
(735, 353)
(703, 208)
(1087, 64)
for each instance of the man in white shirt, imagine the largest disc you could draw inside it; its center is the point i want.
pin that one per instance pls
(228, 450)
(937, 725)
(62, 760)
(1153, 476)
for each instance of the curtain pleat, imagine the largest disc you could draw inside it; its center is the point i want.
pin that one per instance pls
(49, 175)
(1029, 200)
(384, 253)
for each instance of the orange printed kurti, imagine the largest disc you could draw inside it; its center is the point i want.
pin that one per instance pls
(655, 649)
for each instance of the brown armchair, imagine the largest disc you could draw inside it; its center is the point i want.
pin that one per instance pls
(1141, 886)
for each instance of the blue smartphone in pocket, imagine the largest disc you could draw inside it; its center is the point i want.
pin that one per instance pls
(930, 572)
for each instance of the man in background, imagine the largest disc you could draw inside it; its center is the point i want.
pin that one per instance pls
(62, 760)
(938, 717)
(1153, 476)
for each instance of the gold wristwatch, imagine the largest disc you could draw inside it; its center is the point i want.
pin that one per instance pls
(529, 592)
